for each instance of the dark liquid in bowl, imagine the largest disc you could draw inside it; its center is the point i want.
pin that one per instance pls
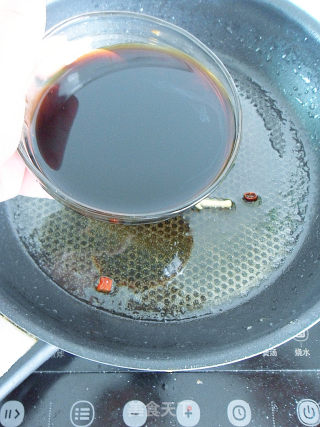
(133, 130)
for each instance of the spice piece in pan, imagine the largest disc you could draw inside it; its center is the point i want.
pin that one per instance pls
(214, 203)
(250, 197)
(105, 284)
(114, 220)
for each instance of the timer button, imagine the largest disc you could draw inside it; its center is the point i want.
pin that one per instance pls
(239, 413)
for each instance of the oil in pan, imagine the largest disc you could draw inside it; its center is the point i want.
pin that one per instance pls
(196, 264)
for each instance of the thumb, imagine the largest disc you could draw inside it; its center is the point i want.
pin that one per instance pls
(22, 24)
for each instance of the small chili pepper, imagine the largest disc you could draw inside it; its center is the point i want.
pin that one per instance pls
(105, 284)
(114, 220)
(250, 197)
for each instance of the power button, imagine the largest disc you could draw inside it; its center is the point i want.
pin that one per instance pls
(308, 412)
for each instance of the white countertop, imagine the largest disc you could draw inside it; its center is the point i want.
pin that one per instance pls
(312, 7)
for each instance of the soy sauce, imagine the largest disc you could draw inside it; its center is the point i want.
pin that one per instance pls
(134, 129)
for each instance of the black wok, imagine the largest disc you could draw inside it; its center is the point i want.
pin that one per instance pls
(247, 278)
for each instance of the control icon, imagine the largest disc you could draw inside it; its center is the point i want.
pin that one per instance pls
(239, 413)
(11, 413)
(82, 413)
(308, 412)
(188, 413)
(303, 336)
(134, 413)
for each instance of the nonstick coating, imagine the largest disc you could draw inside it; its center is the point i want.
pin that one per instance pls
(277, 45)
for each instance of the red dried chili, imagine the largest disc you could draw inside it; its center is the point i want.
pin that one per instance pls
(250, 197)
(114, 220)
(105, 284)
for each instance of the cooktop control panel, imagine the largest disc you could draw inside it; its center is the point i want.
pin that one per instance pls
(225, 398)
(280, 388)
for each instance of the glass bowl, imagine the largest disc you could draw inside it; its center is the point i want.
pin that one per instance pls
(82, 34)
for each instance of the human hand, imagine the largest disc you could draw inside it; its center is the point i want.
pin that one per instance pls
(22, 25)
